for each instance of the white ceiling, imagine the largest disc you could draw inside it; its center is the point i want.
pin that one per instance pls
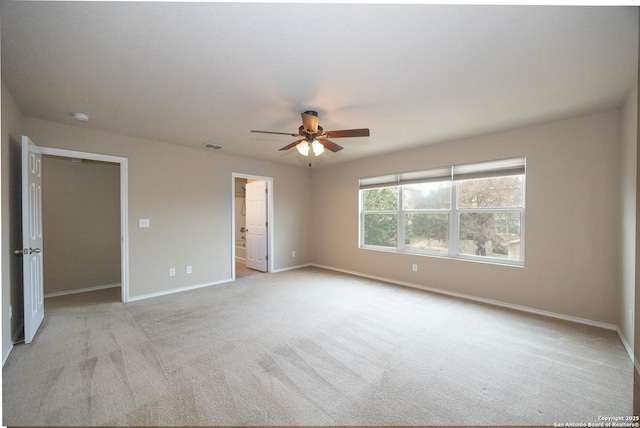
(195, 73)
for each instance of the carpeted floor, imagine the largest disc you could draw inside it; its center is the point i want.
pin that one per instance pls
(242, 270)
(310, 347)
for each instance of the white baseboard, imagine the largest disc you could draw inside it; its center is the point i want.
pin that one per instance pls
(294, 267)
(14, 339)
(81, 290)
(176, 290)
(480, 299)
(6, 354)
(629, 349)
(194, 287)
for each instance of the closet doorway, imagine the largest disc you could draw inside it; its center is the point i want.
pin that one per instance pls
(81, 224)
(74, 272)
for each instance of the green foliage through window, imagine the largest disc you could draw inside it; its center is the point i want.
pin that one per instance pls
(480, 217)
(382, 199)
(380, 230)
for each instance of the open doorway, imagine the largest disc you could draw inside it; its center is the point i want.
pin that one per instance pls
(81, 226)
(252, 213)
(114, 247)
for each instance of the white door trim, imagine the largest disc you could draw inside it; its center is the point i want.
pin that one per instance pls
(270, 219)
(124, 205)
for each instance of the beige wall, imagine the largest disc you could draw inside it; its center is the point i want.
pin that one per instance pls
(573, 250)
(11, 215)
(81, 224)
(572, 219)
(187, 195)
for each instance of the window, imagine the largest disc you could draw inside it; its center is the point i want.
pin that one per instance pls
(426, 208)
(381, 216)
(468, 211)
(490, 212)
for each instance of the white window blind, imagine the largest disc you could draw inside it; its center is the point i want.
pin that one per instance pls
(502, 168)
(494, 168)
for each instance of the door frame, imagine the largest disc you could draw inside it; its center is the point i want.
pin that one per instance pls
(124, 205)
(270, 219)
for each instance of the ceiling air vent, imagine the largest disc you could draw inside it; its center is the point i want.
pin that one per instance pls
(211, 146)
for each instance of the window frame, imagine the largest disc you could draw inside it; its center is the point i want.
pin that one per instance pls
(454, 212)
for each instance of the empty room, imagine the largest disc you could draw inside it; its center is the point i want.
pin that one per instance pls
(319, 214)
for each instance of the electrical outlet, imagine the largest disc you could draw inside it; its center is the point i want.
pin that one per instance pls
(172, 271)
(189, 269)
(414, 267)
(144, 222)
(293, 254)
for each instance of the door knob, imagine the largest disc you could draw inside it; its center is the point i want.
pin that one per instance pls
(34, 250)
(19, 252)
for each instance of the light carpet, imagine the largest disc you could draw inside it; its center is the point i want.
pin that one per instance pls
(242, 270)
(310, 347)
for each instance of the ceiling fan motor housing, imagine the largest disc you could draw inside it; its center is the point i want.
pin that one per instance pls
(310, 121)
(309, 134)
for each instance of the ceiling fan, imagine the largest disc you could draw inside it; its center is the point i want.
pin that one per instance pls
(315, 138)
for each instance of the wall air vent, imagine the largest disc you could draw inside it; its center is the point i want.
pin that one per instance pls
(212, 146)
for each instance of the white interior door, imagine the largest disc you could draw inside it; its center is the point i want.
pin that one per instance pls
(32, 238)
(257, 225)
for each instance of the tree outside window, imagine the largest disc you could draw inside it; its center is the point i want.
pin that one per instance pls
(479, 217)
(380, 219)
(487, 216)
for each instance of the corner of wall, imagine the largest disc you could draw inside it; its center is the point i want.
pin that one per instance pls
(11, 211)
(628, 213)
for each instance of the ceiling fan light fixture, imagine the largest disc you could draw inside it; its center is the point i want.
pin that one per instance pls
(317, 147)
(303, 148)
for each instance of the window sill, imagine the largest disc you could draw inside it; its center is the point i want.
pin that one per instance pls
(462, 257)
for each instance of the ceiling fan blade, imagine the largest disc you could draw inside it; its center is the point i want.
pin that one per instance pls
(364, 132)
(330, 145)
(279, 133)
(292, 145)
(310, 121)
